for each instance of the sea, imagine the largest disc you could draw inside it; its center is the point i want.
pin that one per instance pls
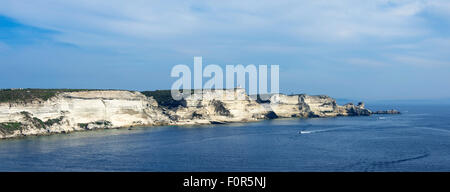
(416, 140)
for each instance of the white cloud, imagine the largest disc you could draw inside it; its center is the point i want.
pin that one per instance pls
(323, 45)
(154, 20)
(214, 27)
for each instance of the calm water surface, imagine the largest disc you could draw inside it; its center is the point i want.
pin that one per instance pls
(417, 140)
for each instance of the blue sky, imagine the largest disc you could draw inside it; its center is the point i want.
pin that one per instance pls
(355, 49)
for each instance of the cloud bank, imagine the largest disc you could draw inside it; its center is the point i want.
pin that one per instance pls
(392, 41)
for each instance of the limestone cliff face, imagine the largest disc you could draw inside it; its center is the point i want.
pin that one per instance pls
(71, 111)
(312, 106)
(84, 110)
(232, 105)
(236, 106)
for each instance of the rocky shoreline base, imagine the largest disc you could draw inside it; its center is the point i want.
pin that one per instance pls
(76, 110)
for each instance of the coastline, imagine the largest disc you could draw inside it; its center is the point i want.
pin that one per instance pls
(80, 110)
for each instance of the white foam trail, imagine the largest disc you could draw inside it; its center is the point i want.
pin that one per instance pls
(306, 132)
(435, 129)
(321, 130)
(315, 131)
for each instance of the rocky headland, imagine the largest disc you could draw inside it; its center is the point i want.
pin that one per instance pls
(39, 112)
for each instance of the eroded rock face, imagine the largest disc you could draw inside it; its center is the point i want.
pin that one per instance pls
(72, 111)
(353, 110)
(232, 105)
(236, 106)
(84, 110)
(313, 106)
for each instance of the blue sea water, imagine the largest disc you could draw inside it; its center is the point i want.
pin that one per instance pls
(417, 140)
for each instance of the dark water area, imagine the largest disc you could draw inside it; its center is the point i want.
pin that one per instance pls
(417, 140)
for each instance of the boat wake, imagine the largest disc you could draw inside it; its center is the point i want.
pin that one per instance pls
(383, 165)
(319, 130)
(308, 132)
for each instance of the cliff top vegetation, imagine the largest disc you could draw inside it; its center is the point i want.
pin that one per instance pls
(28, 95)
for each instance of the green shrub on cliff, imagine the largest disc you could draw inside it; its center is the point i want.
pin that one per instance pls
(164, 98)
(38, 123)
(51, 122)
(9, 127)
(83, 125)
(28, 95)
(101, 123)
(104, 123)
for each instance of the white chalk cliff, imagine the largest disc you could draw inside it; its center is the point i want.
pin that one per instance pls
(84, 110)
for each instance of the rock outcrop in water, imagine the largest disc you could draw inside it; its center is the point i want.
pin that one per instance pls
(85, 110)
